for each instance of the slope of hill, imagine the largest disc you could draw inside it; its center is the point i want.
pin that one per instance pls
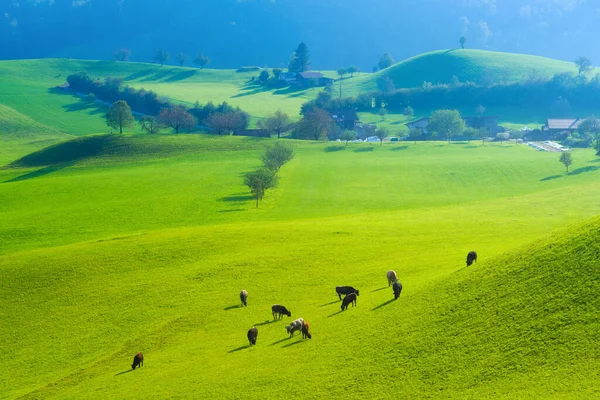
(479, 66)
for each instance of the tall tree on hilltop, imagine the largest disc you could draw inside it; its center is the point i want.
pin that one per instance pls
(181, 58)
(300, 61)
(161, 56)
(202, 60)
(463, 41)
(584, 65)
(119, 115)
(386, 61)
(352, 70)
(122, 54)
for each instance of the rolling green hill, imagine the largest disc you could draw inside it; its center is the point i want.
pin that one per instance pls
(479, 66)
(144, 245)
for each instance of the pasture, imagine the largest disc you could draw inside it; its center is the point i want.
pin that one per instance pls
(145, 243)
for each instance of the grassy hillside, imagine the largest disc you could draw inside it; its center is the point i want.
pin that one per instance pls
(145, 245)
(480, 66)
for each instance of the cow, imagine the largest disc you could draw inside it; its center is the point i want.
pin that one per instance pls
(244, 297)
(279, 311)
(391, 277)
(351, 298)
(296, 325)
(138, 360)
(345, 290)
(472, 256)
(305, 331)
(397, 286)
(252, 335)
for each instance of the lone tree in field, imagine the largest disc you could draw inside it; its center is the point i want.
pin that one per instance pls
(386, 61)
(150, 125)
(259, 181)
(446, 123)
(122, 54)
(348, 135)
(463, 41)
(300, 60)
(202, 60)
(381, 134)
(591, 128)
(119, 116)
(161, 56)
(566, 159)
(277, 155)
(177, 118)
(181, 58)
(341, 71)
(278, 122)
(584, 65)
(353, 69)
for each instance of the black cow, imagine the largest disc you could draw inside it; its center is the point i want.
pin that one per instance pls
(397, 289)
(138, 360)
(345, 290)
(244, 297)
(279, 311)
(351, 298)
(252, 335)
(472, 256)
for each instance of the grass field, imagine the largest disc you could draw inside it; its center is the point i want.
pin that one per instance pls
(144, 243)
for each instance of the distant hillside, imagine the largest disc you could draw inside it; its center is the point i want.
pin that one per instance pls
(479, 66)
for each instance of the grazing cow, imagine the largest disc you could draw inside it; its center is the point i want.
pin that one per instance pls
(244, 297)
(472, 256)
(351, 298)
(391, 277)
(397, 289)
(296, 325)
(345, 290)
(252, 335)
(305, 331)
(138, 360)
(279, 311)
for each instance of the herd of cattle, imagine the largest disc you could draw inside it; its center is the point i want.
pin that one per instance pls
(278, 311)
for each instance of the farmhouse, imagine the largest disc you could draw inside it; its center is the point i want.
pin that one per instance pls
(489, 123)
(312, 79)
(288, 77)
(346, 118)
(555, 125)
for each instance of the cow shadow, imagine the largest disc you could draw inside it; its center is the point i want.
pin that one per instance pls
(281, 341)
(549, 178)
(334, 314)
(124, 372)
(232, 307)
(267, 322)
(363, 150)
(239, 349)
(333, 149)
(383, 304)
(398, 148)
(380, 289)
(234, 210)
(293, 343)
(328, 304)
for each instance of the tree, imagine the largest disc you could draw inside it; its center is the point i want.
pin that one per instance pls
(591, 127)
(315, 124)
(566, 159)
(408, 111)
(161, 56)
(119, 115)
(386, 85)
(341, 72)
(150, 125)
(381, 134)
(463, 41)
(122, 54)
(300, 61)
(480, 110)
(259, 181)
(263, 78)
(229, 121)
(502, 136)
(386, 61)
(469, 133)
(353, 69)
(415, 133)
(177, 118)
(483, 134)
(383, 112)
(181, 58)
(201, 60)
(277, 155)
(584, 65)
(348, 135)
(446, 123)
(278, 122)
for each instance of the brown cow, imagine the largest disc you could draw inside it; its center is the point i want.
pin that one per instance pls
(305, 331)
(138, 360)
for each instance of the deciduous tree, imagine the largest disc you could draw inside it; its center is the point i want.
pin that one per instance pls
(591, 127)
(446, 123)
(177, 118)
(161, 56)
(201, 60)
(181, 58)
(386, 61)
(150, 125)
(348, 135)
(277, 155)
(463, 41)
(119, 115)
(122, 54)
(381, 134)
(584, 65)
(278, 122)
(566, 159)
(353, 69)
(259, 181)
(316, 124)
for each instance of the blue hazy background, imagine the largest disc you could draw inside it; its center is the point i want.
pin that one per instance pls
(338, 33)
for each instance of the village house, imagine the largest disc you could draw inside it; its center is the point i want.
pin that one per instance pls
(346, 118)
(556, 126)
(489, 123)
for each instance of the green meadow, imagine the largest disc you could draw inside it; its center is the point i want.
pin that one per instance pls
(115, 244)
